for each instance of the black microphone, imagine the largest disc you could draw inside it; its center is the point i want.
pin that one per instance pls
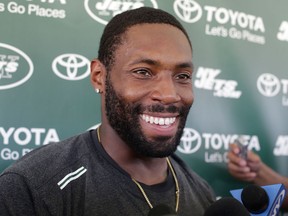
(162, 210)
(255, 199)
(261, 200)
(226, 206)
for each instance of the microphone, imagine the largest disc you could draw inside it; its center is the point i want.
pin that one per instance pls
(226, 206)
(261, 201)
(255, 199)
(162, 210)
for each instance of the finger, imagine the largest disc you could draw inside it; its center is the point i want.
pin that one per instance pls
(234, 148)
(252, 157)
(235, 168)
(241, 173)
(245, 176)
(235, 159)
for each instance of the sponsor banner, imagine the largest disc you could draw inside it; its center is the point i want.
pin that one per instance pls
(16, 142)
(37, 8)
(103, 10)
(270, 85)
(214, 145)
(207, 78)
(281, 146)
(15, 67)
(222, 21)
(71, 67)
(282, 34)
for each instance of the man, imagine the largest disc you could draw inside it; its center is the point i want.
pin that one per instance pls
(254, 170)
(126, 166)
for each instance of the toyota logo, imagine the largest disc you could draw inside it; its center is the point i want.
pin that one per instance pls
(71, 67)
(268, 85)
(188, 10)
(190, 141)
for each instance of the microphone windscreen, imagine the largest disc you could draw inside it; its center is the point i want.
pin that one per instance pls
(162, 210)
(226, 206)
(255, 199)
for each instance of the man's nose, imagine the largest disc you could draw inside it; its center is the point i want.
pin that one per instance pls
(165, 90)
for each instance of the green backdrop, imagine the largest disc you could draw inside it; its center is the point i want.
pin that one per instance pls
(240, 81)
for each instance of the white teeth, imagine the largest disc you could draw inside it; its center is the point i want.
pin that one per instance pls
(167, 121)
(158, 120)
(146, 118)
(161, 121)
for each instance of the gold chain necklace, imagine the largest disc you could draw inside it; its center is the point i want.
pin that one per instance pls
(177, 191)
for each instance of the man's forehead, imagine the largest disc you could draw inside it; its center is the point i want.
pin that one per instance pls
(147, 33)
(151, 32)
(141, 27)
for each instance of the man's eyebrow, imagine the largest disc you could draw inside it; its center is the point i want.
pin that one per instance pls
(145, 60)
(156, 63)
(185, 65)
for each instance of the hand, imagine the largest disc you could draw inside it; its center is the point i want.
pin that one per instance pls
(240, 168)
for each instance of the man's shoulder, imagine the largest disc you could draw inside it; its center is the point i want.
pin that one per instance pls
(47, 161)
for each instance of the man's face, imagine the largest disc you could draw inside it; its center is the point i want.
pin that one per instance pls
(149, 89)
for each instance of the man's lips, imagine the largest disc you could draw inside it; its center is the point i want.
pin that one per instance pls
(162, 121)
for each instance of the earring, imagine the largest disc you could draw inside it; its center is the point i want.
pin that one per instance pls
(97, 90)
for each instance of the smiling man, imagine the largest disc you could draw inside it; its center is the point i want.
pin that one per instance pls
(126, 166)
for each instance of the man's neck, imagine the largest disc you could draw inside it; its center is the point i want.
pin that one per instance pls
(146, 170)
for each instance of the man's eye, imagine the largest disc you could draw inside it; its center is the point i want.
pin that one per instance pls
(142, 73)
(184, 76)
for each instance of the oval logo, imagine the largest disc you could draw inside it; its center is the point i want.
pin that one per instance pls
(188, 10)
(268, 85)
(190, 141)
(71, 66)
(103, 11)
(15, 67)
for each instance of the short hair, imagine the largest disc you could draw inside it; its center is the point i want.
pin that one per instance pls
(113, 33)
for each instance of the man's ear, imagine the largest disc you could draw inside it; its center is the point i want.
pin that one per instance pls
(97, 75)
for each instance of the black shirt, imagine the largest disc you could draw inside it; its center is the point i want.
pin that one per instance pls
(77, 177)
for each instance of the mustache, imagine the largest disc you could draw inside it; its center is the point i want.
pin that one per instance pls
(158, 108)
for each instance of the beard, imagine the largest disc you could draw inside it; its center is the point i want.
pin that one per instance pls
(124, 118)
